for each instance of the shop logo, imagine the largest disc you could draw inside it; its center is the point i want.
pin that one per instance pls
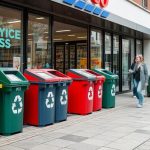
(50, 100)
(90, 6)
(100, 92)
(113, 90)
(63, 97)
(102, 3)
(90, 94)
(6, 35)
(17, 105)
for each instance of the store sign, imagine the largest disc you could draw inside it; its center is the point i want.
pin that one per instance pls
(94, 7)
(102, 3)
(6, 35)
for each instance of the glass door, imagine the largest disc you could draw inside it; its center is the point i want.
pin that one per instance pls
(125, 64)
(116, 60)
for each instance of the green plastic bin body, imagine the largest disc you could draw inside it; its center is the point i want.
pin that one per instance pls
(148, 88)
(109, 88)
(11, 101)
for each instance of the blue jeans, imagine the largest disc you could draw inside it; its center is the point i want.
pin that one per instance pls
(133, 88)
(138, 91)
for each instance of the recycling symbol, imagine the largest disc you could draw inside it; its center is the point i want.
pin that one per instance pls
(63, 97)
(90, 94)
(100, 91)
(113, 90)
(50, 100)
(17, 105)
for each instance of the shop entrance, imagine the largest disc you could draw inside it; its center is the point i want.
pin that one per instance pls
(70, 46)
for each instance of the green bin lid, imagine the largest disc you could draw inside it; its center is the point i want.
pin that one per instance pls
(106, 73)
(11, 76)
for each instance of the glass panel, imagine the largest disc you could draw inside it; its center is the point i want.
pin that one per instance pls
(125, 64)
(10, 38)
(116, 58)
(132, 49)
(66, 57)
(38, 47)
(132, 58)
(138, 47)
(72, 56)
(81, 56)
(108, 51)
(96, 49)
(59, 49)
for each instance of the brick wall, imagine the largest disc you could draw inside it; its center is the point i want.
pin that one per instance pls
(140, 3)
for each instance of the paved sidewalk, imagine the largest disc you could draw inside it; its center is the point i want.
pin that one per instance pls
(122, 128)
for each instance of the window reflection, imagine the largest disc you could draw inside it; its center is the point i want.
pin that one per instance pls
(38, 37)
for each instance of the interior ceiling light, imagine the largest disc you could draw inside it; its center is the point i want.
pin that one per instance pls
(40, 18)
(57, 39)
(71, 35)
(30, 34)
(82, 37)
(59, 31)
(16, 21)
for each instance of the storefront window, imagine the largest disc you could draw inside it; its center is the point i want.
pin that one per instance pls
(70, 46)
(138, 47)
(10, 38)
(38, 42)
(108, 51)
(116, 58)
(96, 49)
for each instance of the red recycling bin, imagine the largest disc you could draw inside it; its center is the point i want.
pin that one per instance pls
(98, 90)
(81, 92)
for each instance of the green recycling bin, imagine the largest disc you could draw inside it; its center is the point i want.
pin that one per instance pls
(12, 87)
(109, 88)
(148, 87)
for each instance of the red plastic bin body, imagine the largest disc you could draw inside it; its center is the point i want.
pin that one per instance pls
(98, 90)
(80, 95)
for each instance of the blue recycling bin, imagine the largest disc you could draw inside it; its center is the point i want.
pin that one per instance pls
(61, 105)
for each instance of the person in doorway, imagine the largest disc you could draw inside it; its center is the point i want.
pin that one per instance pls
(140, 79)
